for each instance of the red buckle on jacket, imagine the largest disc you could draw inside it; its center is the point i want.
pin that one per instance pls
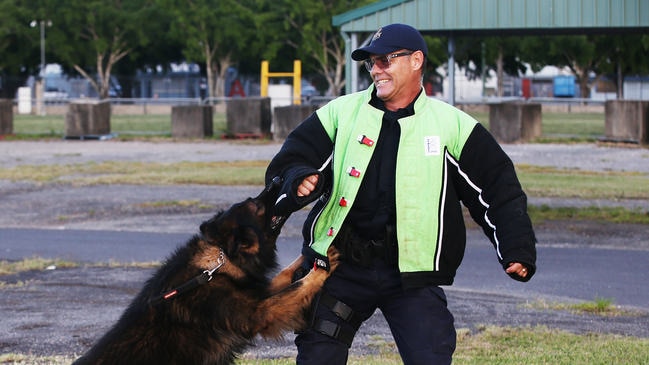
(362, 139)
(353, 172)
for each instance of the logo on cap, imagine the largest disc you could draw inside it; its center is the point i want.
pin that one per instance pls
(377, 35)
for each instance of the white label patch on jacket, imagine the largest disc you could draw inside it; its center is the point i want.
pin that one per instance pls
(431, 146)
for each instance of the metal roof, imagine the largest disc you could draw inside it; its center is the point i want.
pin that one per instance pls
(500, 16)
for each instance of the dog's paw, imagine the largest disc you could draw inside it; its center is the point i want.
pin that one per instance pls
(333, 255)
(323, 268)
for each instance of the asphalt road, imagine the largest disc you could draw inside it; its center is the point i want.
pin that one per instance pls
(578, 273)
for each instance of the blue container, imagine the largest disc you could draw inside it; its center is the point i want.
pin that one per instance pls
(564, 86)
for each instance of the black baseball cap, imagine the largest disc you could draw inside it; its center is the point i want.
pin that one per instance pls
(391, 38)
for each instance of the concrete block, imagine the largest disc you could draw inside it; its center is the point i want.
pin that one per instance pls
(6, 117)
(286, 118)
(192, 121)
(87, 118)
(627, 121)
(249, 116)
(515, 122)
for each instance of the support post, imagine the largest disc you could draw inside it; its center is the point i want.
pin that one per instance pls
(296, 75)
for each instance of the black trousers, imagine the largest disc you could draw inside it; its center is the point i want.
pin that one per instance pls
(422, 326)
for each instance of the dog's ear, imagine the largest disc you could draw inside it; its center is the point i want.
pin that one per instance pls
(210, 228)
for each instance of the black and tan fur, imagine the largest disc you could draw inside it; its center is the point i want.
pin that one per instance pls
(215, 321)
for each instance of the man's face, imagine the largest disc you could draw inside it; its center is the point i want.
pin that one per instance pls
(396, 77)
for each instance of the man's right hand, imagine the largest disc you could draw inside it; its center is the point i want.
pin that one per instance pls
(307, 186)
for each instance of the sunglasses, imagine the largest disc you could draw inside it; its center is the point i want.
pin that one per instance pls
(384, 61)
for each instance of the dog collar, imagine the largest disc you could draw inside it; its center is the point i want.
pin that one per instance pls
(201, 279)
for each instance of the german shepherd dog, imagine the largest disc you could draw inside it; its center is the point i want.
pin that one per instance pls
(212, 296)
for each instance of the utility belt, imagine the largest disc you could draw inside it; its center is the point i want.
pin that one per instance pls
(358, 250)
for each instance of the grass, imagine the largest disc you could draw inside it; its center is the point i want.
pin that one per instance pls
(174, 204)
(142, 173)
(516, 345)
(563, 127)
(588, 125)
(568, 183)
(536, 181)
(591, 213)
(540, 345)
(22, 359)
(604, 307)
(557, 127)
(38, 264)
(125, 126)
(41, 264)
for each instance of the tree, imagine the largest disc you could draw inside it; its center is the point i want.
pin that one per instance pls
(216, 33)
(579, 53)
(584, 55)
(477, 56)
(13, 35)
(91, 36)
(308, 29)
(437, 57)
(158, 53)
(625, 55)
(17, 57)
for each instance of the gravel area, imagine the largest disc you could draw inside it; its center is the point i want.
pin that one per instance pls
(586, 157)
(571, 156)
(15, 153)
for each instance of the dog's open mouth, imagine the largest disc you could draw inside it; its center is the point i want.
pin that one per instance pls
(268, 197)
(276, 224)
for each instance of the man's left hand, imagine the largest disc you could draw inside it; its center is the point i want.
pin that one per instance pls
(518, 269)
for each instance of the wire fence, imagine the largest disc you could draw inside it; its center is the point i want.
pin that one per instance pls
(139, 106)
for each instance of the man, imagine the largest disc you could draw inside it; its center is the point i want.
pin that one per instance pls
(389, 167)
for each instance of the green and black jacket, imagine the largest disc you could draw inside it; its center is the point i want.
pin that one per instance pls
(444, 156)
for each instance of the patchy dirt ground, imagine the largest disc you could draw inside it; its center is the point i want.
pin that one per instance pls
(61, 311)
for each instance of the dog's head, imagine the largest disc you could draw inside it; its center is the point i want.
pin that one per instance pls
(247, 232)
